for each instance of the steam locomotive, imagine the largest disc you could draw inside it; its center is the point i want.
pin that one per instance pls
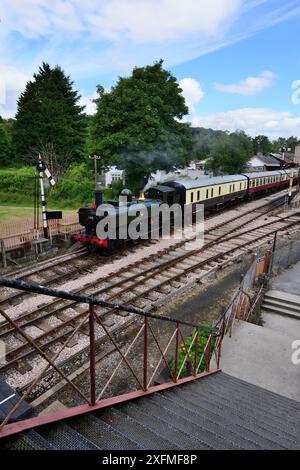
(214, 193)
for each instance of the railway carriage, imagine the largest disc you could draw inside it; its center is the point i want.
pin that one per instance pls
(211, 192)
(268, 181)
(214, 193)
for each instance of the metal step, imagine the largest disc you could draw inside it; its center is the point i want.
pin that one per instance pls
(136, 430)
(186, 422)
(63, 437)
(29, 440)
(282, 406)
(232, 421)
(274, 436)
(157, 424)
(203, 409)
(248, 408)
(103, 435)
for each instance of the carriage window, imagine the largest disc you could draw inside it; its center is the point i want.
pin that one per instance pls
(206, 193)
(240, 185)
(230, 188)
(192, 197)
(212, 192)
(219, 190)
(233, 187)
(198, 195)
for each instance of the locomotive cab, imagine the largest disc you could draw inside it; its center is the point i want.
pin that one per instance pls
(165, 194)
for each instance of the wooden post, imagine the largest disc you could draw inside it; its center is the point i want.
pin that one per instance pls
(3, 252)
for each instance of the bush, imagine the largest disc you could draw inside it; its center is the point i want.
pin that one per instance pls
(187, 370)
(75, 188)
(72, 191)
(17, 185)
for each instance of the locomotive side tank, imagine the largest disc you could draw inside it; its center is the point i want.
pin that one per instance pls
(117, 214)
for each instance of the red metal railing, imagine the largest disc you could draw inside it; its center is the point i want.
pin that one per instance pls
(185, 355)
(175, 356)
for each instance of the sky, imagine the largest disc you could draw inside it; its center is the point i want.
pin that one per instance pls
(237, 61)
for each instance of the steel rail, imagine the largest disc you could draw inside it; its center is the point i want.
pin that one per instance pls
(112, 310)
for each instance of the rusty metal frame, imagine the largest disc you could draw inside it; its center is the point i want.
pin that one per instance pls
(14, 428)
(91, 317)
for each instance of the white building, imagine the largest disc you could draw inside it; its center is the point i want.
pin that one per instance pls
(113, 174)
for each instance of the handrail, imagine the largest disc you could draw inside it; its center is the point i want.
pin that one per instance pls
(145, 379)
(39, 289)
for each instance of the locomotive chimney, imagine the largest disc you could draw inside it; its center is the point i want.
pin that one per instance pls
(98, 197)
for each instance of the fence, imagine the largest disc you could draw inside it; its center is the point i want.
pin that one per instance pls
(247, 297)
(176, 353)
(144, 373)
(22, 233)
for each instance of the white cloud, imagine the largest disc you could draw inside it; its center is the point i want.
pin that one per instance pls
(248, 86)
(163, 20)
(13, 82)
(139, 20)
(192, 92)
(253, 121)
(87, 101)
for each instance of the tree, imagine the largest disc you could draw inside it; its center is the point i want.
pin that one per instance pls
(49, 114)
(291, 143)
(228, 160)
(137, 125)
(230, 153)
(261, 143)
(5, 147)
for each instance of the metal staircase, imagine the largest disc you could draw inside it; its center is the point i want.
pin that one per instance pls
(215, 412)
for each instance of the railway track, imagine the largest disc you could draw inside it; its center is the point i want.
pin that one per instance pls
(140, 284)
(52, 274)
(71, 266)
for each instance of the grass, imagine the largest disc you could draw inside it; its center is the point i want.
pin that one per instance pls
(16, 213)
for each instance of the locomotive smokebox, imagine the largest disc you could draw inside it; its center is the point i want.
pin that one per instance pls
(98, 197)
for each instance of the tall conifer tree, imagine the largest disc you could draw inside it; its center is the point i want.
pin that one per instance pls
(49, 116)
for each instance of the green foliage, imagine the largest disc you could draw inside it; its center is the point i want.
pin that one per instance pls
(5, 147)
(227, 153)
(136, 125)
(7, 125)
(261, 143)
(48, 114)
(17, 185)
(75, 188)
(202, 341)
(282, 143)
